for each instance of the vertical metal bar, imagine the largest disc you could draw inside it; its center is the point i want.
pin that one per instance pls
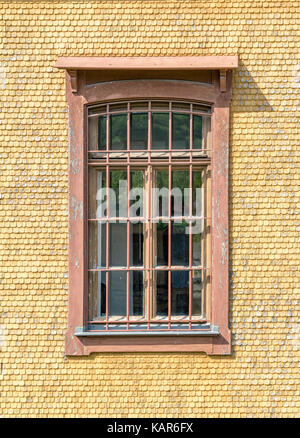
(149, 212)
(190, 215)
(128, 247)
(170, 127)
(149, 270)
(128, 129)
(170, 214)
(149, 131)
(190, 244)
(107, 130)
(107, 242)
(127, 222)
(107, 217)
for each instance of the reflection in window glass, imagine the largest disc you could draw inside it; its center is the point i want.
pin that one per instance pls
(160, 131)
(161, 256)
(136, 296)
(118, 131)
(139, 131)
(180, 293)
(97, 295)
(117, 244)
(136, 244)
(197, 243)
(197, 287)
(117, 293)
(179, 244)
(197, 132)
(97, 244)
(180, 193)
(161, 293)
(118, 205)
(161, 204)
(97, 193)
(136, 193)
(102, 132)
(197, 193)
(180, 131)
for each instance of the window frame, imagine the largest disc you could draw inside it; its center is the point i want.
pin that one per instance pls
(189, 159)
(216, 338)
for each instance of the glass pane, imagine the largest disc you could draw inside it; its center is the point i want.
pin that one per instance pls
(136, 193)
(97, 193)
(136, 244)
(180, 293)
(97, 244)
(161, 296)
(197, 193)
(202, 108)
(139, 131)
(197, 242)
(160, 130)
(139, 106)
(117, 244)
(180, 106)
(179, 244)
(206, 132)
(118, 107)
(161, 203)
(97, 295)
(136, 297)
(197, 132)
(97, 110)
(118, 194)
(102, 132)
(197, 288)
(180, 193)
(161, 242)
(118, 131)
(117, 293)
(160, 105)
(93, 133)
(180, 131)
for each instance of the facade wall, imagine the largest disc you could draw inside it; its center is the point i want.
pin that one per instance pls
(260, 377)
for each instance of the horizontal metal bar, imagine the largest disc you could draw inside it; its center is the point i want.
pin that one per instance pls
(153, 218)
(156, 268)
(154, 110)
(152, 162)
(151, 321)
(211, 331)
(145, 151)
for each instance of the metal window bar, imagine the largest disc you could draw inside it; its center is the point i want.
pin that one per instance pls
(148, 268)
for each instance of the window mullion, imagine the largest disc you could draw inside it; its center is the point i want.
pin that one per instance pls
(190, 215)
(190, 243)
(170, 214)
(150, 291)
(107, 244)
(128, 248)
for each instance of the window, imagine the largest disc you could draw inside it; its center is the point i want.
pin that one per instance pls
(148, 198)
(149, 216)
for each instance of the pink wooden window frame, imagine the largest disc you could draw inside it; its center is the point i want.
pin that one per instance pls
(218, 95)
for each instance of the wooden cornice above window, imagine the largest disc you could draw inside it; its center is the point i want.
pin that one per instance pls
(173, 64)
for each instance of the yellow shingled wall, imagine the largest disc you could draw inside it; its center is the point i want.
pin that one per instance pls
(260, 378)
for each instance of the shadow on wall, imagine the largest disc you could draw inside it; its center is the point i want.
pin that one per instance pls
(247, 97)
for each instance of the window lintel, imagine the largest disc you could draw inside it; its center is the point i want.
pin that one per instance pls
(187, 63)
